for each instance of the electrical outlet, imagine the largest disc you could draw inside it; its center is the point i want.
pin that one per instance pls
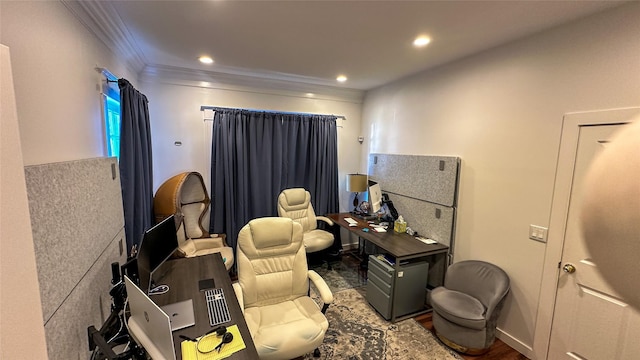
(538, 233)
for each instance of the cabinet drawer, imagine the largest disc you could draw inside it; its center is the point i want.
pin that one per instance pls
(381, 284)
(379, 300)
(381, 269)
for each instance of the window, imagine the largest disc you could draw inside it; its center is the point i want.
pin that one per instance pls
(111, 95)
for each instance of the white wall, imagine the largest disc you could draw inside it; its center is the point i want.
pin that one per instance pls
(175, 115)
(20, 311)
(57, 93)
(57, 87)
(501, 112)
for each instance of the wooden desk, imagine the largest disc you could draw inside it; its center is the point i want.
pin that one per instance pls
(402, 247)
(183, 275)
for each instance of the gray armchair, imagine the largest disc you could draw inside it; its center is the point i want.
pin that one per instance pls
(466, 308)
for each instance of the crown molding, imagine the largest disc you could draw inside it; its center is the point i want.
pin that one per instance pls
(101, 18)
(236, 82)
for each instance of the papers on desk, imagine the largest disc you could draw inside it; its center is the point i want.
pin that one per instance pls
(190, 352)
(378, 228)
(350, 221)
(425, 240)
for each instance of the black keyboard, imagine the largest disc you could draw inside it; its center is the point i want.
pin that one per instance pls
(217, 307)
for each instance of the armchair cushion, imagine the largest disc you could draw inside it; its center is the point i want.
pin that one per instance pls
(459, 308)
(287, 329)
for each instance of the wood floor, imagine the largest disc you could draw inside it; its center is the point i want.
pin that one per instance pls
(499, 350)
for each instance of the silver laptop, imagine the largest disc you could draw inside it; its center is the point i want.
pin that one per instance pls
(180, 314)
(151, 325)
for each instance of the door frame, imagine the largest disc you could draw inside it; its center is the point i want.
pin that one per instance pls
(571, 124)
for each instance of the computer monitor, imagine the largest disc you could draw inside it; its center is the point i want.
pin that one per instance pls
(375, 197)
(158, 244)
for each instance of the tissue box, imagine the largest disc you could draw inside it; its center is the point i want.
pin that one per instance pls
(400, 227)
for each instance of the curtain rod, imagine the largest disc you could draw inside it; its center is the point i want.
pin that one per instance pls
(215, 108)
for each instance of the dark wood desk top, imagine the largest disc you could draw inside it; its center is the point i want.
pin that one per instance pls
(401, 246)
(183, 275)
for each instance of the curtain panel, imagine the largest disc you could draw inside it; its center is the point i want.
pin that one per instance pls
(256, 155)
(136, 170)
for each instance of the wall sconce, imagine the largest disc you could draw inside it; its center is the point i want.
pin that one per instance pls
(356, 183)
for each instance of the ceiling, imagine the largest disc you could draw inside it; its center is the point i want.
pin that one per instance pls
(312, 42)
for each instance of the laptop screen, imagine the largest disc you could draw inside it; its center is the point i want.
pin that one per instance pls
(149, 324)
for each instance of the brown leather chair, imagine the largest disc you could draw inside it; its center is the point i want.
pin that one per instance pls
(185, 196)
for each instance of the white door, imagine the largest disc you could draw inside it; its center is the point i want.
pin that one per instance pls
(590, 320)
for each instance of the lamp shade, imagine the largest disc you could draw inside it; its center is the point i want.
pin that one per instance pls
(357, 182)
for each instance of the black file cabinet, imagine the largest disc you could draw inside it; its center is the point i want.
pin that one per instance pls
(409, 284)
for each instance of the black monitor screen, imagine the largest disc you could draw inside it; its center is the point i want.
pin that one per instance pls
(158, 244)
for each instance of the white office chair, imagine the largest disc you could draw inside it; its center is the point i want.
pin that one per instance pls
(295, 204)
(273, 288)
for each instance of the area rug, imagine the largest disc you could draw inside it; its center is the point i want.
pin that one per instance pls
(344, 274)
(357, 332)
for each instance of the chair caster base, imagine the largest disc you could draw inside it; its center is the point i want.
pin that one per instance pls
(316, 353)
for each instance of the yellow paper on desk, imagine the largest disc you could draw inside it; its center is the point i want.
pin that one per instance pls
(190, 352)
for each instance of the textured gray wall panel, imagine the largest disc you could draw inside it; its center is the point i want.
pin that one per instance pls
(78, 225)
(88, 304)
(417, 176)
(421, 217)
(76, 212)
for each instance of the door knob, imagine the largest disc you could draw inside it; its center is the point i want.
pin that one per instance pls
(569, 268)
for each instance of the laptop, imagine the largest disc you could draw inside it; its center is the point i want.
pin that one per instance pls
(152, 326)
(180, 314)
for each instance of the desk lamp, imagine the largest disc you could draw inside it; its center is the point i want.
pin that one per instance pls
(356, 183)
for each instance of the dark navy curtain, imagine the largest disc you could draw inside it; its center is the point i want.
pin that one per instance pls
(136, 171)
(256, 155)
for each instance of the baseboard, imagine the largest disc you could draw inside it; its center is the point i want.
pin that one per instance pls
(516, 344)
(349, 247)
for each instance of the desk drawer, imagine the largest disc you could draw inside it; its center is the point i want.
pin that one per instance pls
(380, 300)
(381, 284)
(381, 269)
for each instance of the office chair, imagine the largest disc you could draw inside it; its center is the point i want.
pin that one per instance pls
(273, 288)
(185, 196)
(295, 204)
(466, 308)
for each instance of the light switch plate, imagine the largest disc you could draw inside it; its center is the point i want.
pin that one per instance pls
(538, 233)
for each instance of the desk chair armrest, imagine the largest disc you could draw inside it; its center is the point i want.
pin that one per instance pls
(238, 290)
(325, 219)
(323, 288)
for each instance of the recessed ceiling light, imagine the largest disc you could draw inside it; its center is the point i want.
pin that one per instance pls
(341, 78)
(421, 41)
(205, 60)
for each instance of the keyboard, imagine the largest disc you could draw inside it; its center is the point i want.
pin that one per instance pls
(217, 307)
(350, 220)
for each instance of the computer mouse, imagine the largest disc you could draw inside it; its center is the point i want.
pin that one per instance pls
(350, 225)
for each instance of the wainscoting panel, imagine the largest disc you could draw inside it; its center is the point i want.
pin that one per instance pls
(78, 231)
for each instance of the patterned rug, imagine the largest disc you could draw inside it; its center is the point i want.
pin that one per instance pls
(345, 274)
(357, 332)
